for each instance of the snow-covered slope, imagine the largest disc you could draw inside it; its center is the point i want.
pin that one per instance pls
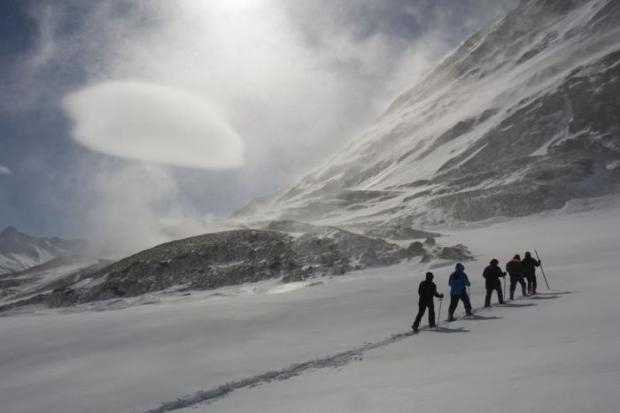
(520, 118)
(51, 276)
(19, 251)
(557, 354)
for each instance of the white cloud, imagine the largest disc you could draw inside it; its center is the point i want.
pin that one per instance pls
(153, 123)
(4, 170)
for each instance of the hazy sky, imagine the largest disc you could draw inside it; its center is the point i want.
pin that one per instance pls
(117, 115)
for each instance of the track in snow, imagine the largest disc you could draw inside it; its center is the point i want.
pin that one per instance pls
(293, 370)
(335, 360)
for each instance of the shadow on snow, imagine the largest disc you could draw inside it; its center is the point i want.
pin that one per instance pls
(449, 330)
(516, 305)
(482, 317)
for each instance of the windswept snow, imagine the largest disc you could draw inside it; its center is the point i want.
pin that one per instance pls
(516, 120)
(556, 354)
(10, 262)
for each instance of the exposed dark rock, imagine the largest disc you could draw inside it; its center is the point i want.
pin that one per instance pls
(416, 249)
(430, 241)
(229, 258)
(457, 252)
(399, 232)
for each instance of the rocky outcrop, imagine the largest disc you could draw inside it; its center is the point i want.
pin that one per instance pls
(296, 251)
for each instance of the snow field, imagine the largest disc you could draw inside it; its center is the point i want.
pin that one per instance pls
(559, 354)
(550, 355)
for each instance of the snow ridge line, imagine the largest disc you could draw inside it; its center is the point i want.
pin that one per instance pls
(335, 360)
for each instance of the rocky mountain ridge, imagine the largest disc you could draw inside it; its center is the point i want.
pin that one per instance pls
(286, 250)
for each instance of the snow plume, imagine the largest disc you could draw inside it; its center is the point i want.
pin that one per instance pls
(4, 170)
(129, 206)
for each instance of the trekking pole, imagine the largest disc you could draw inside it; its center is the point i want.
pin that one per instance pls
(542, 270)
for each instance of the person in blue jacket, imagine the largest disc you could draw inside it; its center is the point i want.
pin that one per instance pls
(458, 283)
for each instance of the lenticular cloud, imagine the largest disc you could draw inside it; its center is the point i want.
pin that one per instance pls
(153, 123)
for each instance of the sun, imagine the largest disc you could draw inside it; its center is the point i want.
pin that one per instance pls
(242, 4)
(225, 7)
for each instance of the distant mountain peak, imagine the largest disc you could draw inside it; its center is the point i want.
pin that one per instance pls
(10, 230)
(19, 251)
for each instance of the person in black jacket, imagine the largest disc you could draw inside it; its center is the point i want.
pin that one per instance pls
(492, 274)
(427, 290)
(515, 271)
(529, 265)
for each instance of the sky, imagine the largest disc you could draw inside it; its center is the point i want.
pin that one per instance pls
(120, 117)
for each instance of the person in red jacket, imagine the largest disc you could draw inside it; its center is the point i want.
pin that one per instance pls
(427, 290)
(515, 271)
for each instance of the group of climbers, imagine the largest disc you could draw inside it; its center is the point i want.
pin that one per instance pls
(519, 269)
(516, 268)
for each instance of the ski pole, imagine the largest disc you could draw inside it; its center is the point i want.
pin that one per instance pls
(542, 270)
(439, 312)
(504, 278)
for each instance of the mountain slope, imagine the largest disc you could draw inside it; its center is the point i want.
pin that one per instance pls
(520, 118)
(19, 251)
